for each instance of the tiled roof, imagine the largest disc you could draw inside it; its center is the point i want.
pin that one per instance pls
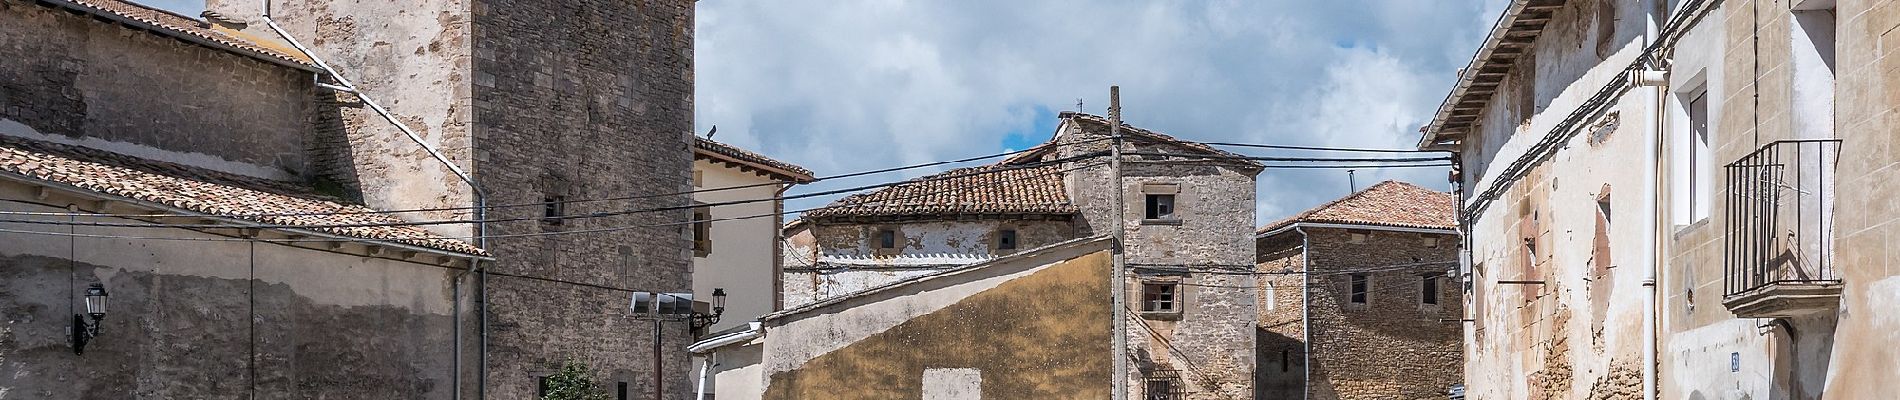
(166, 23)
(208, 192)
(1389, 203)
(1009, 190)
(704, 147)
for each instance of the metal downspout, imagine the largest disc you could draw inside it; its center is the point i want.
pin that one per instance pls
(1651, 311)
(1306, 330)
(480, 212)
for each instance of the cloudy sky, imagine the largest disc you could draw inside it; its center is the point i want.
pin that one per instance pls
(849, 85)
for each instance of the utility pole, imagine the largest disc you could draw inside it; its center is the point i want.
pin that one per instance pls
(1120, 275)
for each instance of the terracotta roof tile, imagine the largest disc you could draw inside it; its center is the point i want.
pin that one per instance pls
(1389, 203)
(209, 192)
(1100, 125)
(1013, 190)
(708, 148)
(167, 23)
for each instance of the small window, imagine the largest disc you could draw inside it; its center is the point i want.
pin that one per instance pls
(1006, 239)
(621, 390)
(702, 231)
(699, 178)
(1360, 285)
(1160, 297)
(887, 239)
(1163, 384)
(1160, 206)
(1428, 290)
(541, 386)
(554, 209)
(1286, 360)
(1429, 241)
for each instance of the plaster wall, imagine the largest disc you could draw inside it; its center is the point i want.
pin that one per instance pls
(413, 57)
(742, 258)
(217, 319)
(839, 258)
(1578, 334)
(1029, 326)
(739, 372)
(71, 79)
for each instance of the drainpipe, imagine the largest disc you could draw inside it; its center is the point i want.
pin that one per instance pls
(1659, 81)
(1306, 331)
(704, 365)
(481, 200)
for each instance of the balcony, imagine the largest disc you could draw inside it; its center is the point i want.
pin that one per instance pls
(1778, 251)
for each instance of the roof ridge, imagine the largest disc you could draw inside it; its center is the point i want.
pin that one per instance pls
(1389, 184)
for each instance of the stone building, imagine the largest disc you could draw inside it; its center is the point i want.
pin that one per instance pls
(1701, 220)
(1355, 301)
(1188, 212)
(516, 105)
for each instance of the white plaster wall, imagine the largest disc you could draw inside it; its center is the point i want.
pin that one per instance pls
(741, 258)
(1520, 322)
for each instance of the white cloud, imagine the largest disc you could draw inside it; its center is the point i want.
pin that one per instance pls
(850, 85)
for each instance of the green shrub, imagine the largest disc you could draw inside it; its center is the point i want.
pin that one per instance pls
(574, 382)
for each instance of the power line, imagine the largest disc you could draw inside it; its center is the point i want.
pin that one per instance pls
(1318, 148)
(563, 217)
(563, 202)
(554, 233)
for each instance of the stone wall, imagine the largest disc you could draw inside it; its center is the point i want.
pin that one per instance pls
(219, 319)
(584, 99)
(1394, 345)
(71, 79)
(1868, 219)
(1211, 342)
(1280, 340)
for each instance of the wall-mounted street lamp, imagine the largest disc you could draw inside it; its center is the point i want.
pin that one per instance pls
(85, 328)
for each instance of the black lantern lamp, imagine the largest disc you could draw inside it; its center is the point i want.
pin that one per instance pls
(85, 327)
(701, 321)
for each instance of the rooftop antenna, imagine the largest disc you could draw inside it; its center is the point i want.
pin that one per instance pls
(710, 132)
(1351, 186)
(1078, 104)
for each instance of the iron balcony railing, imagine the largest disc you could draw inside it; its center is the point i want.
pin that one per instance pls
(1780, 216)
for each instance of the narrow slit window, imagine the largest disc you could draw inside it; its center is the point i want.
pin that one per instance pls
(1428, 290)
(554, 209)
(1360, 285)
(702, 231)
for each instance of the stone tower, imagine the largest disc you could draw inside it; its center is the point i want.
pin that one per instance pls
(539, 100)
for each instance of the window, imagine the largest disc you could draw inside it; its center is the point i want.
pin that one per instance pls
(1428, 290)
(1694, 162)
(1269, 297)
(1600, 243)
(1429, 241)
(621, 390)
(554, 209)
(541, 386)
(887, 239)
(1006, 239)
(1160, 206)
(1162, 384)
(1160, 297)
(702, 231)
(1360, 285)
(1813, 64)
(1286, 360)
(1606, 28)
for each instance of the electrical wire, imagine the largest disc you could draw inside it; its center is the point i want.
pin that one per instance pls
(537, 234)
(565, 217)
(1319, 148)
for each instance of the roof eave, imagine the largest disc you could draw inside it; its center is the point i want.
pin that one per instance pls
(234, 222)
(776, 172)
(1514, 34)
(175, 34)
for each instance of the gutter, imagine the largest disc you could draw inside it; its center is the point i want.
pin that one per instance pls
(1297, 225)
(754, 329)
